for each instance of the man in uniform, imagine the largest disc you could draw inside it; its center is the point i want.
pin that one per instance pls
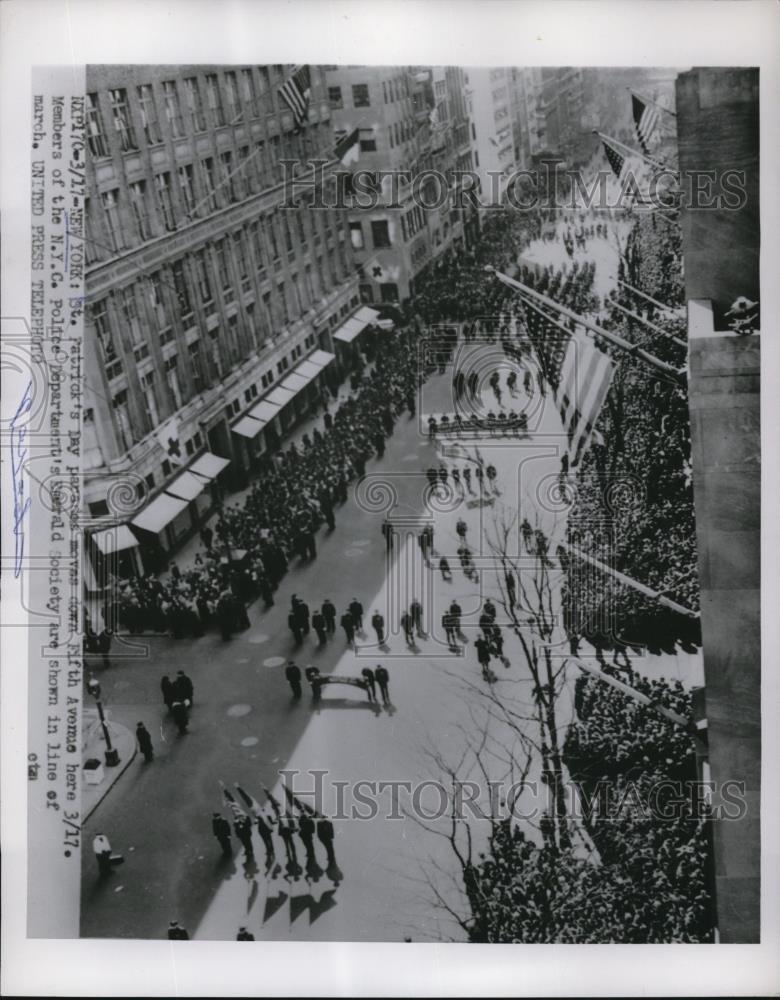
(221, 830)
(325, 835)
(348, 624)
(144, 742)
(329, 614)
(264, 828)
(243, 830)
(415, 610)
(182, 687)
(306, 830)
(177, 933)
(356, 610)
(368, 676)
(378, 624)
(408, 627)
(482, 647)
(383, 680)
(318, 624)
(292, 672)
(449, 628)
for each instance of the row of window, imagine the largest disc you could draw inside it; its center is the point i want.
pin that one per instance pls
(191, 105)
(194, 190)
(380, 234)
(360, 96)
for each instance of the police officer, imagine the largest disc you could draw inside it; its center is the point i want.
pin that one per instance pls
(144, 742)
(368, 676)
(408, 627)
(348, 624)
(383, 680)
(183, 688)
(356, 610)
(415, 610)
(221, 830)
(292, 672)
(243, 830)
(325, 834)
(378, 624)
(318, 624)
(329, 614)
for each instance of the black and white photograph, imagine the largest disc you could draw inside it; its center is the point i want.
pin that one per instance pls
(397, 495)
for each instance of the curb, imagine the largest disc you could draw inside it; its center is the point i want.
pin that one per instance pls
(117, 774)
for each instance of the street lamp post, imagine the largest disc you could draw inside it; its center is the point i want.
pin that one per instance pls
(112, 754)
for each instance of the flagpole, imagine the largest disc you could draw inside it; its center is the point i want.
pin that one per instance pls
(649, 100)
(613, 338)
(646, 296)
(628, 149)
(646, 322)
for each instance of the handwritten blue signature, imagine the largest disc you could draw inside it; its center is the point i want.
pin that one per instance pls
(18, 456)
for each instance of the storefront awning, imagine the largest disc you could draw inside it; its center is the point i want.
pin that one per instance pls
(320, 358)
(308, 370)
(280, 397)
(356, 324)
(209, 466)
(186, 486)
(248, 427)
(115, 539)
(264, 412)
(160, 512)
(295, 382)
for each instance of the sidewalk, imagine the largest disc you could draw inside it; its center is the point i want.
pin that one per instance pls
(95, 747)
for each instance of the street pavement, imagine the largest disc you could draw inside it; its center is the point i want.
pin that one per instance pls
(393, 878)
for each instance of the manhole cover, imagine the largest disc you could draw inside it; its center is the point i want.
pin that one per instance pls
(273, 661)
(249, 741)
(235, 711)
(259, 639)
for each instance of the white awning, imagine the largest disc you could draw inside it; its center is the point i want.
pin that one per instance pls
(248, 427)
(356, 324)
(280, 397)
(295, 382)
(160, 512)
(209, 466)
(115, 539)
(308, 370)
(320, 358)
(264, 412)
(186, 486)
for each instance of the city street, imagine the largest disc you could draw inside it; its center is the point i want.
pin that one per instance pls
(245, 728)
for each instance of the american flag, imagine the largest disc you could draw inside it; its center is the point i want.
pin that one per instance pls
(623, 167)
(646, 123)
(295, 92)
(586, 375)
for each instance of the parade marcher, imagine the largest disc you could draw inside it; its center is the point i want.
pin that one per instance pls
(444, 566)
(408, 626)
(167, 691)
(356, 610)
(244, 935)
(318, 624)
(416, 611)
(176, 932)
(306, 831)
(221, 829)
(378, 624)
(383, 680)
(482, 646)
(329, 614)
(286, 830)
(144, 742)
(292, 673)
(449, 628)
(180, 716)
(467, 478)
(348, 624)
(264, 828)
(325, 834)
(527, 533)
(509, 579)
(183, 689)
(301, 612)
(312, 675)
(368, 676)
(461, 528)
(242, 827)
(489, 609)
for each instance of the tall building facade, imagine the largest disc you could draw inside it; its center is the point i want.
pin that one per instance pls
(490, 105)
(411, 122)
(205, 293)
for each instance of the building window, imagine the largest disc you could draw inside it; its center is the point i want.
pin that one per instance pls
(384, 91)
(119, 406)
(265, 81)
(368, 145)
(231, 96)
(356, 235)
(150, 399)
(130, 312)
(282, 366)
(245, 171)
(389, 292)
(138, 206)
(195, 104)
(239, 254)
(202, 281)
(149, 480)
(110, 356)
(228, 180)
(335, 99)
(182, 291)
(257, 243)
(380, 233)
(149, 121)
(95, 132)
(173, 109)
(122, 123)
(187, 188)
(223, 271)
(249, 92)
(214, 98)
(196, 366)
(360, 97)
(282, 293)
(209, 182)
(162, 185)
(110, 201)
(154, 286)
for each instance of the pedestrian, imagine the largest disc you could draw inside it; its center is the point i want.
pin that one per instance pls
(383, 680)
(292, 673)
(167, 691)
(415, 610)
(444, 566)
(294, 626)
(325, 834)
(408, 627)
(378, 624)
(368, 676)
(482, 646)
(449, 628)
(221, 830)
(176, 932)
(329, 614)
(102, 849)
(348, 624)
(356, 610)
(183, 689)
(244, 935)
(144, 742)
(242, 827)
(489, 609)
(318, 624)
(180, 716)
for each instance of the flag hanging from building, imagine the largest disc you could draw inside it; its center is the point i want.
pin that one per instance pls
(295, 92)
(647, 122)
(632, 172)
(168, 439)
(586, 375)
(348, 147)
